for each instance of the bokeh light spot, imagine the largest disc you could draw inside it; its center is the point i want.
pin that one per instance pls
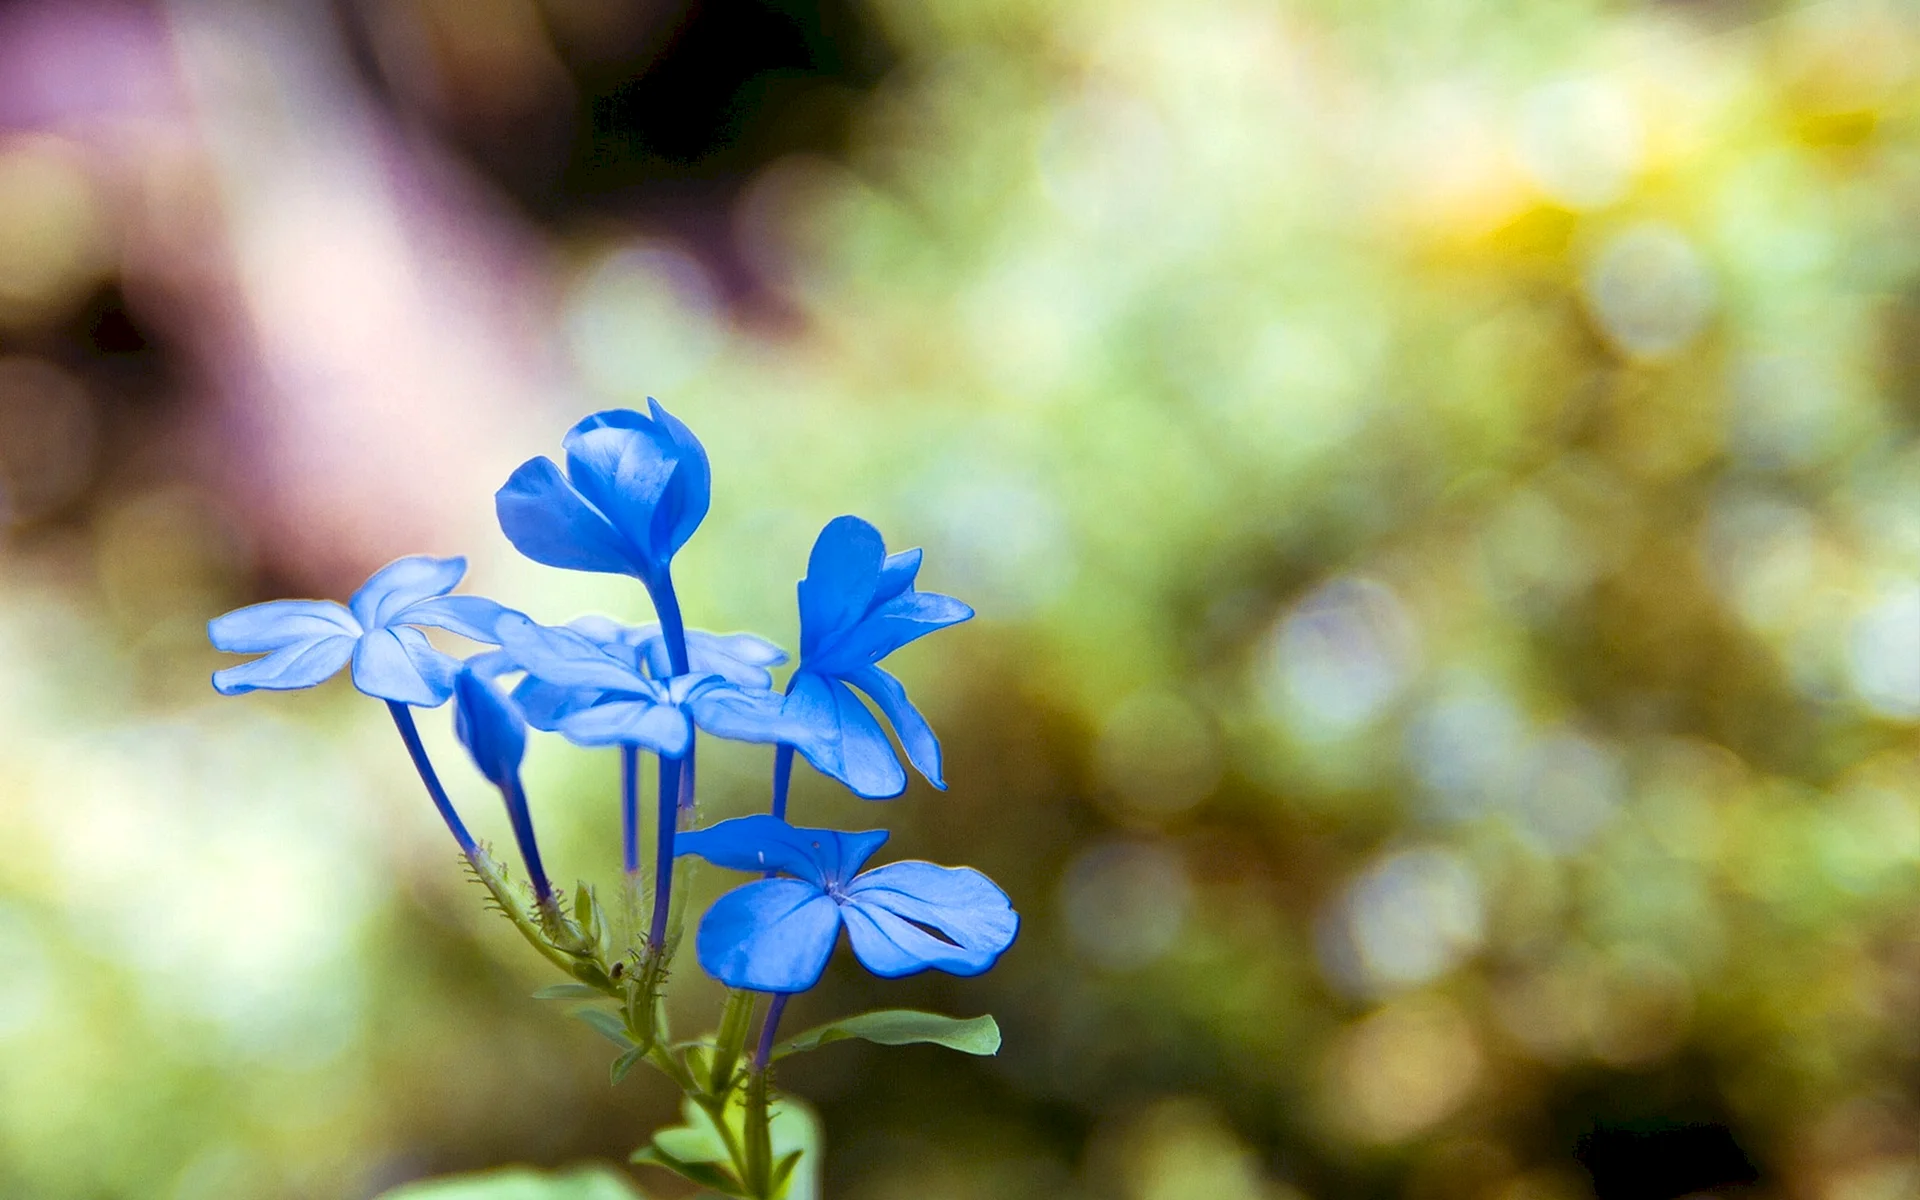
(1571, 788)
(1125, 903)
(1580, 141)
(1649, 290)
(1403, 1069)
(1341, 657)
(643, 320)
(1406, 920)
(1883, 654)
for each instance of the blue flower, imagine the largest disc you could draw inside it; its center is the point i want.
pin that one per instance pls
(739, 658)
(597, 695)
(307, 641)
(496, 736)
(858, 605)
(775, 935)
(636, 487)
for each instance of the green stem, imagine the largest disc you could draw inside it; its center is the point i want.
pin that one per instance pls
(758, 1176)
(731, 1039)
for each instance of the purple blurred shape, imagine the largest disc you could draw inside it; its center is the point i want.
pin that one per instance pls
(67, 61)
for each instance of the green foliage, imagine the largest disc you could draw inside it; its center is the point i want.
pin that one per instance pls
(707, 1147)
(587, 1183)
(902, 1027)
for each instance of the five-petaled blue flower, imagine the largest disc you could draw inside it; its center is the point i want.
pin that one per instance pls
(599, 695)
(858, 605)
(307, 641)
(775, 935)
(636, 487)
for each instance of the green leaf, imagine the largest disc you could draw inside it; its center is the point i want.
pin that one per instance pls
(607, 1025)
(783, 1171)
(705, 1174)
(569, 991)
(519, 1183)
(902, 1027)
(625, 1063)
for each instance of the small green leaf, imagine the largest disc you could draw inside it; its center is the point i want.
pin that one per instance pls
(607, 1025)
(568, 991)
(705, 1174)
(783, 1171)
(902, 1027)
(625, 1063)
(519, 1183)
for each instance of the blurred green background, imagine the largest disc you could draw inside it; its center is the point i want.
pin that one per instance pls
(1439, 481)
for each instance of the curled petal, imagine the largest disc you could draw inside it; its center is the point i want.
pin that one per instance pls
(822, 857)
(549, 522)
(691, 491)
(398, 664)
(842, 571)
(469, 616)
(889, 911)
(896, 575)
(300, 665)
(491, 729)
(278, 624)
(661, 728)
(905, 618)
(625, 473)
(840, 738)
(923, 749)
(772, 935)
(403, 582)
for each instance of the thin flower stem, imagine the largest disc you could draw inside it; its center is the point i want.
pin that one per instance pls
(403, 719)
(687, 780)
(666, 604)
(768, 1029)
(663, 852)
(630, 807)
(782, 778)
(522, 821)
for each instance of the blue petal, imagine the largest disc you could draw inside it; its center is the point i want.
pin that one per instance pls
(896, 575)
(840, 738)
(692, 489)
(403, 582)
(398, 664)
(549, 522)
(490, 728)
(661, 728)
(741, 658)
(923, 749)
(625, 474)
(280, 623)
(300, 665)
(491, 664)
(745, 715)
(888, 911)
(903, 619)
(841, 574)
(566, 658)
(772, 935)
(822, 857)
(469, 616)
(542, 704)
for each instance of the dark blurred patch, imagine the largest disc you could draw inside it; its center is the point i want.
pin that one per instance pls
(1660, 1161)
(589, 106)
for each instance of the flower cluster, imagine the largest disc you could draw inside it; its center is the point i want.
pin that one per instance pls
(634, 489)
